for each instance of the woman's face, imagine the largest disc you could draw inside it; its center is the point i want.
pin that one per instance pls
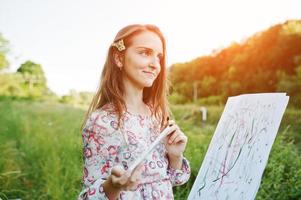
(142, 60)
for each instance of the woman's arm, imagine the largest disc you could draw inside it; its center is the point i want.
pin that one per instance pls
(179, 176)
(103, 178)
(101, 143)
(178, 169)
(176, 161)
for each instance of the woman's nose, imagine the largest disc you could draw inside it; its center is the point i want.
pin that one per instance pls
(155, 63)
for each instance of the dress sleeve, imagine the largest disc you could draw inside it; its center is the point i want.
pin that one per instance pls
(179, 176)
(101, 142)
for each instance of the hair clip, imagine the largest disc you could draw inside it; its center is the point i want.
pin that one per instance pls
(119, 45)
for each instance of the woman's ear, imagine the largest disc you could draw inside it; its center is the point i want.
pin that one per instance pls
(118, 59)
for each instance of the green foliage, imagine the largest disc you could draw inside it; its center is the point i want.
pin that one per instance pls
(292, 85)
(292, 28)
(41, 146)
(292, 118)
(10, 85)
(28, 82)
(81, 99)
(176, 98)
(41, 151)
(211, 100)
(207, 86)
(185, 90)
(281, 179)
(33, 77)
(3, 61)
(32, 68)
(3, 51)
(248, 67)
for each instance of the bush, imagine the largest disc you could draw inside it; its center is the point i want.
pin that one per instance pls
(211, 100)
(41, 151)
(176, 98)
(281, 178)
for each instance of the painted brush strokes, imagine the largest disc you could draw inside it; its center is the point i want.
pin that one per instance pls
(240, 147)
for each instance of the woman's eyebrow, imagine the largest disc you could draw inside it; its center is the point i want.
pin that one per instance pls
(149, 49)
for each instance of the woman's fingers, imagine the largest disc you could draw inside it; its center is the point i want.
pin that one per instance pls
(171, 122)
(125, 179)
(180, 138)
(117, 171)
(172, 130)
(176, 135)
(119, 182)
(172, 137)
(119, 176)
(135, 176)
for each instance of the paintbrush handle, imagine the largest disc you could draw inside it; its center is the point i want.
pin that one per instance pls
(162, 135)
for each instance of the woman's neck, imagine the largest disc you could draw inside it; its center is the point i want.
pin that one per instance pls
(133, 98)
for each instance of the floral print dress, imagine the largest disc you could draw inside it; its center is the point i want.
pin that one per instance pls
(105, 146)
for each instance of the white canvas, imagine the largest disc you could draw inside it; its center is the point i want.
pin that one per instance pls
(240, 147)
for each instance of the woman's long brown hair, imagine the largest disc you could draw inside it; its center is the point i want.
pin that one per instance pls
(111, 88)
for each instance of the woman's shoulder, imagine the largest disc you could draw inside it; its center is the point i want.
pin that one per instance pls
(104, 117)
(107, 109)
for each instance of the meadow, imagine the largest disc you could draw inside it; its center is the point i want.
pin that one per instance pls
(41, 151)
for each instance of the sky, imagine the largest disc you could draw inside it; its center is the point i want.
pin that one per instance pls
(70, 38)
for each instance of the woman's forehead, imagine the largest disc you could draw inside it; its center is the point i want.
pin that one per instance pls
(149, 40)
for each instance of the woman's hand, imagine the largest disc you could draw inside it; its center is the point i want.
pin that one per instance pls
(126, 180)
(122, 180)
(175, 142)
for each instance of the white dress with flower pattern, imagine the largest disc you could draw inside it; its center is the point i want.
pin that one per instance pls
(106, 146)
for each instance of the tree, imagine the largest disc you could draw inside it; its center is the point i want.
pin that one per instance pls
(34, 80)
(3, 51)
(247, 67)
(291, 85)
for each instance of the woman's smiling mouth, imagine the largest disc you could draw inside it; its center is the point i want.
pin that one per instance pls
(150, 74)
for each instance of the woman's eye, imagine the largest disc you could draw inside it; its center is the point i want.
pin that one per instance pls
(145, 53)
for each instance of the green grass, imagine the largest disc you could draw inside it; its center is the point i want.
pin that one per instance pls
(41, 155)
(281, 179)
(41, 151)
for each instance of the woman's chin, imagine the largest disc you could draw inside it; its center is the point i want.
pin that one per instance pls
(148, 84)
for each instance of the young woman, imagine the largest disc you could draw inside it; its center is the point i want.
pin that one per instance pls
(127, 113)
